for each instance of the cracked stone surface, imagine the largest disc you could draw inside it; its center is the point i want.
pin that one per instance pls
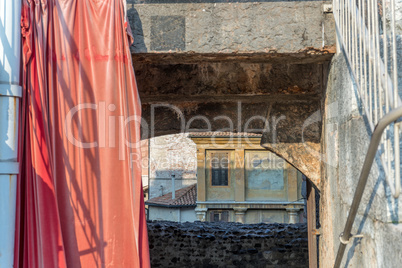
(216, 27)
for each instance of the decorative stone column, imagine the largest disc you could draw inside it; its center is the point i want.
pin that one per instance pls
(240, 214)
(293, 214)
(201, 213)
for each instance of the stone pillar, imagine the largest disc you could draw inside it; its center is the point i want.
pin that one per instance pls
(201, 214)
(240, 214)
(293, 214)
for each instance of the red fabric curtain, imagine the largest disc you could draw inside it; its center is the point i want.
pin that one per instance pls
(80, 192)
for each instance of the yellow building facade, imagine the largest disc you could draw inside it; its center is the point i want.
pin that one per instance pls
(240, 181)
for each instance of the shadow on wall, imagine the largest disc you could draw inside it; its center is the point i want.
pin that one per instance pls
(393, 207)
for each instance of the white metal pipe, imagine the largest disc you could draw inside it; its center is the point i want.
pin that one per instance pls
(355, 40)
(397, 161)
(173, 187)
(394, 54)
(376, 59)
(360, 49)
(10, 94)
(370, 62)
(385, 45)
(396, 148)
(363, 37)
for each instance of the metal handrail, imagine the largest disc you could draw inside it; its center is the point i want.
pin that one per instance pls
(389, 118)
(368, 40)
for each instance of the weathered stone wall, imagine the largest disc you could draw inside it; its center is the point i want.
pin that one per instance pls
(207, 61)
(216, 26)
(346, 136)
(203, 244)
(226, 79)
(144, 162)
(171, 155)
(182, 214)
(398, 15)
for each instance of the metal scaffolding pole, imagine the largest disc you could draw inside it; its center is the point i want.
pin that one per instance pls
(10, 94)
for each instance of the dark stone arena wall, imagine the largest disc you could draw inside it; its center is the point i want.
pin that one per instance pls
(205, 244)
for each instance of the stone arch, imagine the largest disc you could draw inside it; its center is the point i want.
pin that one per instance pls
(280, 98)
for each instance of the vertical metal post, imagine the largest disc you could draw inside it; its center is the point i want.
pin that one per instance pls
(173, 187)
(311, 225)
(10, 93)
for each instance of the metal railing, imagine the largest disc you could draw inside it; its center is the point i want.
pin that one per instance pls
(367, 35)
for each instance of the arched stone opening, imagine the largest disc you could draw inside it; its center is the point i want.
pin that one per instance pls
(277, 97)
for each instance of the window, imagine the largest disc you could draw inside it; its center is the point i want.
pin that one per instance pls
(219, 216)
(219, 168)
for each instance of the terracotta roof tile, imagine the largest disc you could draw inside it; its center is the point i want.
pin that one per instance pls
(185, 197)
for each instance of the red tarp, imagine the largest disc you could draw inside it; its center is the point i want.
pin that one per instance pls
(80, 194)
